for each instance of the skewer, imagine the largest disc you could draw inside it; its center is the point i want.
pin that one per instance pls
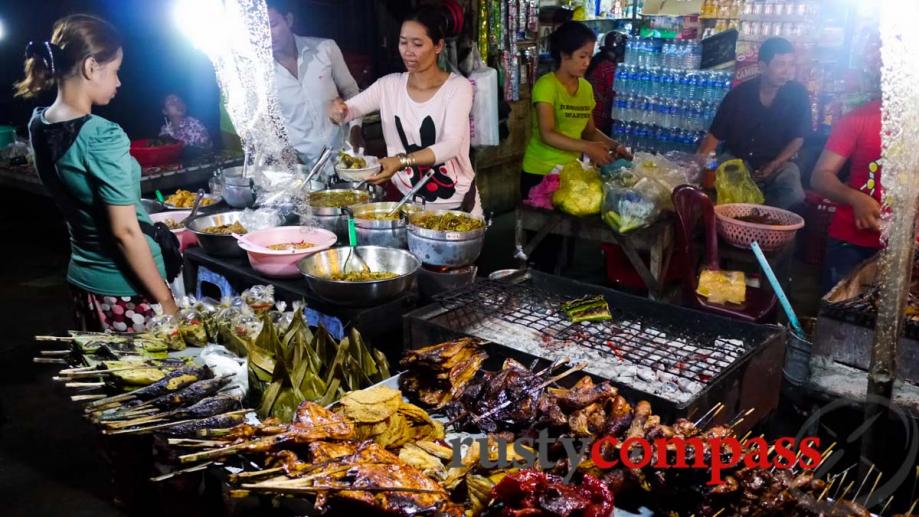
(94, 373)
(860, 486)
(62, 339)
(314, 489)
(874, 486)
(114, 398)
(741, 416)
(846, 491)
(77, 369)
(718, 513)
(82, 398)
(826, 489)
(84, 385)
(884, 508)
(711, 413)
(174, 473)
(912, 507)
(236, 478)
(194, 441)
(54, 353)
(48, 360)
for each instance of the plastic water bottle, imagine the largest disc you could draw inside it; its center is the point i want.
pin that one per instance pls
(629, 52)
(692, 86)
(696, 55)
(705, 86)
(644, 82)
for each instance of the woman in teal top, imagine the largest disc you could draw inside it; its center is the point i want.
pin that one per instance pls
(83, 161)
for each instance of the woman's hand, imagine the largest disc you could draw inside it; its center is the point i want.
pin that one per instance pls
(169, 306)
(623, 152)
(338, 111)
(598, 152)
(390, 166)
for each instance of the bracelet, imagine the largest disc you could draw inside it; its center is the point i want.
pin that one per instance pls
(406, 160)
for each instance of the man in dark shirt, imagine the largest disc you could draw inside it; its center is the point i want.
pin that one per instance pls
(764, 121)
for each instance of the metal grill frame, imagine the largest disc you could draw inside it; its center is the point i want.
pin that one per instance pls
(633, 343)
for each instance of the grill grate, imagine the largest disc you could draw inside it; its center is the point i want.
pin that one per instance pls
(862, 310)
(502, 311)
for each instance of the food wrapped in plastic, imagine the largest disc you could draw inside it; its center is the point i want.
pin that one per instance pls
(580, 191)
(690, 165)
(722, 286)
(165, 327)
(629, 208)
(191, 327)
(259, 297)
(734, 184)
(540, 196)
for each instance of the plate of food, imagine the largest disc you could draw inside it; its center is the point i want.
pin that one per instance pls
(356, 167)
(185, 200)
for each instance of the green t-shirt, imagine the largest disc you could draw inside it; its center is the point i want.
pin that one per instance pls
(94, 171)
(572, 112)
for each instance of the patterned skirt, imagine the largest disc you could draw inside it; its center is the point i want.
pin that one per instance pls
(98, 312)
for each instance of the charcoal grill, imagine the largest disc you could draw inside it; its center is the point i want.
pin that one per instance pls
(680, 360)
(846, 321)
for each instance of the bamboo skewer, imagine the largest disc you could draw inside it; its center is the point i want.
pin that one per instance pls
(174, 473)
(314, 489)
(873, 487)
(48, 360)
(54, 353)
(710, 414)
(194, 441)
(62, 339)
(81, 398)
(551, 380)
(236, 478)
(862, 484)
(84, 385)
(884, 508)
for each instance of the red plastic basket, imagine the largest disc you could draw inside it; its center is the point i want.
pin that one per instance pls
(157, 156)
(742, 234)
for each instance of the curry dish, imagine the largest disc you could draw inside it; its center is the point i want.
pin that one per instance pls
(330, 199)
(363, 276)
(447, 222)
(226, 229)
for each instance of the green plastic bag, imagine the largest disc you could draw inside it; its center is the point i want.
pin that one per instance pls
(580, 190)
(734, 184)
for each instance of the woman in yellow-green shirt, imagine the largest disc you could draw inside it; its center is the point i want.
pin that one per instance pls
(563, 101)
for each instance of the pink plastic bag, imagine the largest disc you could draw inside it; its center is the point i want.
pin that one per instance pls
(540, 196)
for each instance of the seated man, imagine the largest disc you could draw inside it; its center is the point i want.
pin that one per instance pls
(764, 121)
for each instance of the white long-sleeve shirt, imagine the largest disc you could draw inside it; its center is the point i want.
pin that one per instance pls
(322, 76)
(441, 124)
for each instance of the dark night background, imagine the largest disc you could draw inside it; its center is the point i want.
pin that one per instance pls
(159, 59)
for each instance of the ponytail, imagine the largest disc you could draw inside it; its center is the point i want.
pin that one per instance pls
(74, 39)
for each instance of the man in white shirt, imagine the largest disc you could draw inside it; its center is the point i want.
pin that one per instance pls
(309, 73)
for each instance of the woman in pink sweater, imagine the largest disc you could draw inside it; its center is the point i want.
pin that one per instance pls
(425, 117)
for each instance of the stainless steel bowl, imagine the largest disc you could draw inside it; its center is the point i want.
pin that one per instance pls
(319, 267)
(376, 232)
(445, 248)
(337, 210)
(213, 244)
(152, 206)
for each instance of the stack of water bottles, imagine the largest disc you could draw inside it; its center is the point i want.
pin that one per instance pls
(663, 101)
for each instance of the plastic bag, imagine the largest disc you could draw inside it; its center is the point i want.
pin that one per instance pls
(580, 190)
(540, 196)
(722, 286)
(225, 363)
(628, 208)
(165, 328)
(259, 297)
(483, 120)
(734, 184)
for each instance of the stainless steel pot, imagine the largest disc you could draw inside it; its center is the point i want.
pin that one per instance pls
(319, 267)
(213, 244)
(335, 219)
(238, 191)
(443, 248)
(377, 232)
(376, 192)
(152, 206)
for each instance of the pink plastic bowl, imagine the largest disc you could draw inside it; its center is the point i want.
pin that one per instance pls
(283, 263)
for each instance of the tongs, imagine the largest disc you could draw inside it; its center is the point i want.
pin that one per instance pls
(414, 191)
(320, 163)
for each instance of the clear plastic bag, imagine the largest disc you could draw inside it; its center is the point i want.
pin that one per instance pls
(734, 184)
(580, 190)
(628, 208)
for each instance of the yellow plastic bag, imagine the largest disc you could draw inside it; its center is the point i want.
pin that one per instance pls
(580, 191)
(734, 184)
(723, 286)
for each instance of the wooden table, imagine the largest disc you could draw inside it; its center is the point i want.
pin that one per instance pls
(656, 239)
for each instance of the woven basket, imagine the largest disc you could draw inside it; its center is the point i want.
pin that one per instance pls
(741, 233)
